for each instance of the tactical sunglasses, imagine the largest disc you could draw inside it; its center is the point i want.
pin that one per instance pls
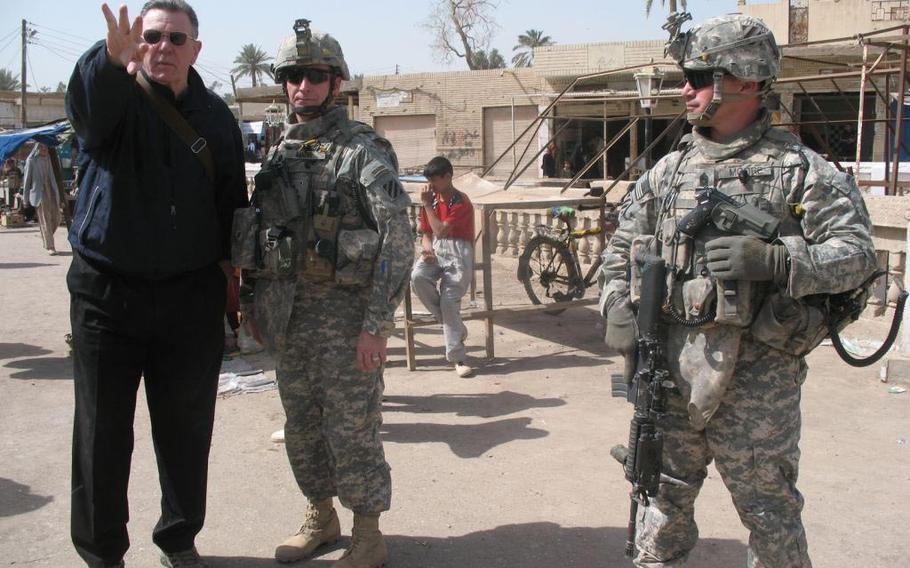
(296, 75)
(699, 79)
(152, 37)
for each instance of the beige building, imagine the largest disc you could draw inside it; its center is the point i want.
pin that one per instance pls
(473, 116)
(42, 108)
(800, 21)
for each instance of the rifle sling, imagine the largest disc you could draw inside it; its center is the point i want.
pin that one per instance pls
(196, 143)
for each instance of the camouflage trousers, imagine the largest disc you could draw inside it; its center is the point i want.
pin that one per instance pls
(333, 410)
(754, 440)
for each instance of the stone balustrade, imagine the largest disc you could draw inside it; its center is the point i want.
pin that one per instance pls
(514, 228)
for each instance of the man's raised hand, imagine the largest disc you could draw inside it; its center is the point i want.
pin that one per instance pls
(124, 42)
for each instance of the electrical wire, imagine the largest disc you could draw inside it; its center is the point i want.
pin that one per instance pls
(28, 59)
(67, 58)
(63, 32)
(53, 45)
(81, 45)
(7, 44)
(7, 36)
(57, 47)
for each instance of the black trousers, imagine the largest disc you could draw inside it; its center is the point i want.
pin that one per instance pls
(172, 333)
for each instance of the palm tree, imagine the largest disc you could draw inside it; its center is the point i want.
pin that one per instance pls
(252, 61)
(488, 60)
(525, 48)
(672, 6)
(8, 81)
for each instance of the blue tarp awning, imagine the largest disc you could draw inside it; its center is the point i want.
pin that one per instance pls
(47, 135)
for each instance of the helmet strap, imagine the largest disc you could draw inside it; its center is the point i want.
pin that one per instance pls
(717, 99)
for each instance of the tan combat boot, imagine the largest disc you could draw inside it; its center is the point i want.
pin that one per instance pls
(367, 545)
(319, 527)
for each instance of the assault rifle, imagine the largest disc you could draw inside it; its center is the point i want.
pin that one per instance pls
(641, 460)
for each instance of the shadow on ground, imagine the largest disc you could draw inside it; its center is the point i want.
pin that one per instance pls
(482, 405)
(16, 498)
(465, 440)
(17, 350)
(531, 545)
(13, 265)
(42, 368)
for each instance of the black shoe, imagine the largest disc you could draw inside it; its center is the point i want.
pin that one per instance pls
(183, 559)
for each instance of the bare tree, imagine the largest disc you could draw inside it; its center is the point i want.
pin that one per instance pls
(461, 28)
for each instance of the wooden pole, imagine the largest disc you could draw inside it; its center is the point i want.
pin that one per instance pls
(23, 118)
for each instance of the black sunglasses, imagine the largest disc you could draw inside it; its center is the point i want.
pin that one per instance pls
(152, 37)
(699, 79)
(296, 75)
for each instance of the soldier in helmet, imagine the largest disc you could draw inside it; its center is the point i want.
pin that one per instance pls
(736, 377)
(327, 251)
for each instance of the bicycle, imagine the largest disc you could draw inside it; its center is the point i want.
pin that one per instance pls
(549, 267)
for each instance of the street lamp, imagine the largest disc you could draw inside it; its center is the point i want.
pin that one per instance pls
(273, 115)
(648, 83)
(274, 123)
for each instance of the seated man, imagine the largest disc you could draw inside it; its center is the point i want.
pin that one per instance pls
(446, 256)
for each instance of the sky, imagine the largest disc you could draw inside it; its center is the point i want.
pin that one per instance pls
(376, 36)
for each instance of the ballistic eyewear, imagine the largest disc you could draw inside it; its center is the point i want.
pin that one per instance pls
(699, 79)
(296, 75)
(152, 37)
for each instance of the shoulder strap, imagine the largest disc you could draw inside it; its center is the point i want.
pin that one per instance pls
(179, 125)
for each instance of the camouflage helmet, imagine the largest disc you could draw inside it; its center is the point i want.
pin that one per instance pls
(740, 45)
(307, 47)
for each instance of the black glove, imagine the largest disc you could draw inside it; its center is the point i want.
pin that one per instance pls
(622, 328)
(747, 258)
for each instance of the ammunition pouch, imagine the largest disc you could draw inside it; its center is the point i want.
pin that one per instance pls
(799, 326)
(244, 239)
(356, 255)
(320, 255)
(279, 251)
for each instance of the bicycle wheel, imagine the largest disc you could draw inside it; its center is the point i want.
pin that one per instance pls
(547, 270)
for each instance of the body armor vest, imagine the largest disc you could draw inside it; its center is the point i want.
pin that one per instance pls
(311, 219)
(752, 176)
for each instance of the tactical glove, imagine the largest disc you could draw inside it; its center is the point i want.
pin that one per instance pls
(622, 329)
(747, 258)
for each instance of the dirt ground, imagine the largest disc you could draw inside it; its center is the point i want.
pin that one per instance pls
(507, 469)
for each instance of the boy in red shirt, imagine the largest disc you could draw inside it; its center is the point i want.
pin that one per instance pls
(446, 256)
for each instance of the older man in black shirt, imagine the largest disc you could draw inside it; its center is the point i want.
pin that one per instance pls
(151, 236)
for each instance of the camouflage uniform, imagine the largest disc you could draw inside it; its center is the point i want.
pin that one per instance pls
(752, 431)
(312, 322)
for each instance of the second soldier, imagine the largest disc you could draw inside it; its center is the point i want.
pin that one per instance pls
(327, 251)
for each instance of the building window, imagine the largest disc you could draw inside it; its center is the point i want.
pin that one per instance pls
(890, 10)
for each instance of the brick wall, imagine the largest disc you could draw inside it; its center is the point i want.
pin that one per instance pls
(457, 99)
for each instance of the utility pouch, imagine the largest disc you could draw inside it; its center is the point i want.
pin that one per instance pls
(244, 238)
(698, 296)
(734, 303)
(357, 252)
(325, 225)
(278, 251)
(318, 267)
(642, 245)
(793, 326)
